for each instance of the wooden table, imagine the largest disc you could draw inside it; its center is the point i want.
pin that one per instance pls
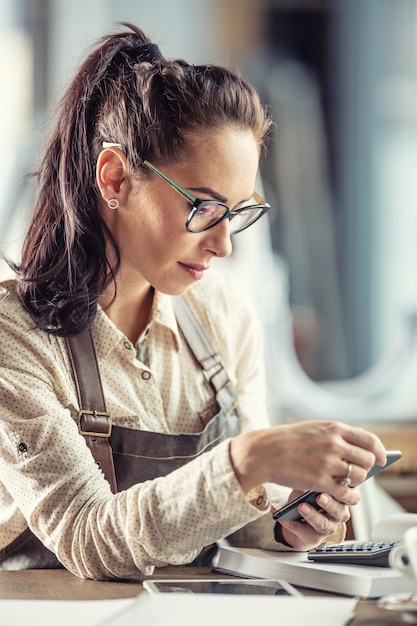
(61, 585)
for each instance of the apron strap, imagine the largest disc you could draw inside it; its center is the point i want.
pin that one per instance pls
(94, 423)
(200, 345)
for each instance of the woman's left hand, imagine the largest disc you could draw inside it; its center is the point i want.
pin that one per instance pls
(328, 524)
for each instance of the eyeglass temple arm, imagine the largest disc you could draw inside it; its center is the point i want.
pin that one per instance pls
(183, 192)
(167, 179)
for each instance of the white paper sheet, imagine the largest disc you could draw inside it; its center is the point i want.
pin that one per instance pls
(182, 609)
(60, 612)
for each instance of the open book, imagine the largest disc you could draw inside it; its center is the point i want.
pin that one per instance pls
(294, 567)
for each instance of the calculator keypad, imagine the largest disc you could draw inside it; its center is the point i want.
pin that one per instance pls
(374, 553)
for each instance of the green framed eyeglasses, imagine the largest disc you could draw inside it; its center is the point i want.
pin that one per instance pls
(206, 214)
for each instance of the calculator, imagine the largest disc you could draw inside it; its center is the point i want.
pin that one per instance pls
(374, 553)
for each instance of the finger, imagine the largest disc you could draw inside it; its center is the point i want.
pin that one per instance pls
(318, 521)
(366, 446)
(351, 474)
(336, 511)
(307, 534)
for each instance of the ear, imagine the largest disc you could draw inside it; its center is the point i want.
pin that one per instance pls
(111, 172)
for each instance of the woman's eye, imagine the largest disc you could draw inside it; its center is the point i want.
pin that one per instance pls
(208, 209)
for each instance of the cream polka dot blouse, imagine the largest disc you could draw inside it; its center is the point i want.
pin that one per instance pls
(48, 478)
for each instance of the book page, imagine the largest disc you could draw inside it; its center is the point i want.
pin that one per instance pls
(393, 527)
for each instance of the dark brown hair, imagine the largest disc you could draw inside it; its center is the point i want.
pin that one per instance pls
(125, 92)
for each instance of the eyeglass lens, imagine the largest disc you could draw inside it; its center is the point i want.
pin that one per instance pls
(209, 213)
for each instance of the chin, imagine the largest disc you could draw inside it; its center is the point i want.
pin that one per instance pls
(173, 291)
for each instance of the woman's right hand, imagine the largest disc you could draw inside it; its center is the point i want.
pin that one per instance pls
(306, 455)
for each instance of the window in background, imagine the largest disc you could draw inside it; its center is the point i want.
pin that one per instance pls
(16, 115)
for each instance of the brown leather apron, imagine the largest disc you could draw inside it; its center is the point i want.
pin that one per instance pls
(128, 456)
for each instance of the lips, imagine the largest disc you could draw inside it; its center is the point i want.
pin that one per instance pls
(194, 270)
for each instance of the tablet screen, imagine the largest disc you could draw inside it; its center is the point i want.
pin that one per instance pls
(246, 587)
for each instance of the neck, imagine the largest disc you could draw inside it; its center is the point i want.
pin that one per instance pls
(130, 310)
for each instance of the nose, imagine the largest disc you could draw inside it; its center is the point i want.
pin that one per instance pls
(217, 240)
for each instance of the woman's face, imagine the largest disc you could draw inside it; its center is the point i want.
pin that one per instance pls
(149, 225)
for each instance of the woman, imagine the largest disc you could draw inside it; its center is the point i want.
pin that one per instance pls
(133, 424)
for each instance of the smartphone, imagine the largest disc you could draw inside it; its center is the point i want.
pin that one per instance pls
(290, 511)
(249, 586)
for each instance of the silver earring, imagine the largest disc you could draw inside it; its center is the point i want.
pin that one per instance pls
(113, 203)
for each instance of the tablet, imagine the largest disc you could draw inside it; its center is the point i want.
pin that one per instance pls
(245, 586)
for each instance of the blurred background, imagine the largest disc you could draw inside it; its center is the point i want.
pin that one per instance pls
(332, 269)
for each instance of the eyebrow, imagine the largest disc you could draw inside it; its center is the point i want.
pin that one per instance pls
(210, 192)
(214, 194)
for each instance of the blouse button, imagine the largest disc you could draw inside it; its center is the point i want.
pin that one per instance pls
(22, 447)
(146, 375)
(126, 345)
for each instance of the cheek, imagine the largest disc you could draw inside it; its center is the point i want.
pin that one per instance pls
(141, 218)
(153, 231)
(160, 218)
